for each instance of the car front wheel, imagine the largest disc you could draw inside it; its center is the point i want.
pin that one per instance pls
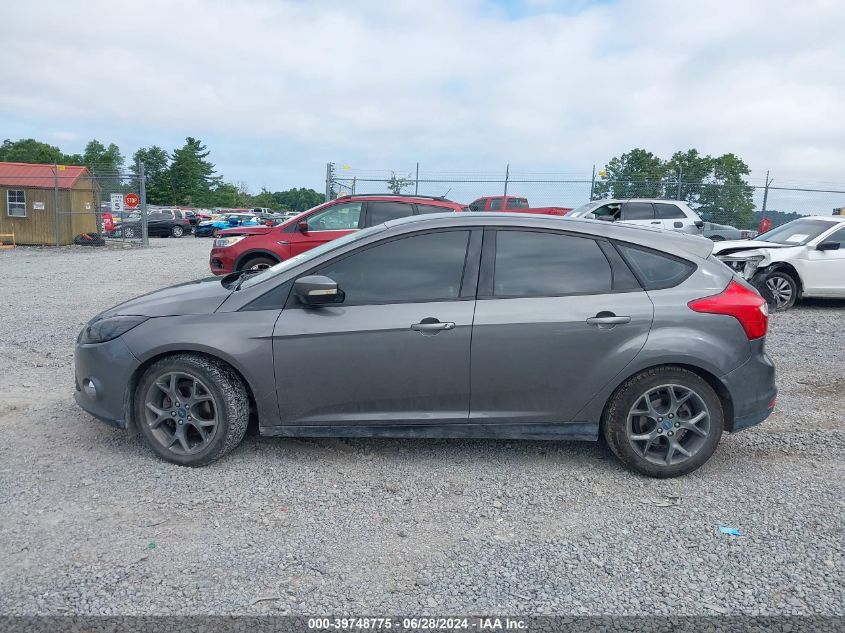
(782, 290)
(259, 263)
(664, 422)
(177, 231)
(191, 410)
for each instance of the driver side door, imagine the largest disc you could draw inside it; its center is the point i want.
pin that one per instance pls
(325, 225)
(824, 274)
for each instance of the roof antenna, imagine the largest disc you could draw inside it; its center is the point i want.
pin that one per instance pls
(443, 197)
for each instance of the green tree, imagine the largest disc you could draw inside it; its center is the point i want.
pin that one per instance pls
(191, 176)
(101, 159)
(726, 196)
(264, 199)
(28, 150)
(686, 173)
(297, 199)
(397, 183)
(635, 174)
(156, 175)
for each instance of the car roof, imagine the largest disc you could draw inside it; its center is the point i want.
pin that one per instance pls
(623, 200)
(402, 197)
(673, 242)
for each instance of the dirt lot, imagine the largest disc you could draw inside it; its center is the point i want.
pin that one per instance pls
(91, 522)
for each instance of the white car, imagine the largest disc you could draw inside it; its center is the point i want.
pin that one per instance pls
(803, 258)
(673, 215)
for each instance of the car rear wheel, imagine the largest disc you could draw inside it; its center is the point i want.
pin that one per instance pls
(191, 410)
(664, 422)
(782, 290)
(177, 230)
(259, 263)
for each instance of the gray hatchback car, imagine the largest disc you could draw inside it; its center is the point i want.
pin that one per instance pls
(449, 326)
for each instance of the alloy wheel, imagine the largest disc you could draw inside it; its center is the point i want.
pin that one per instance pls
(781, 290)
(668, 424)
(181, 412)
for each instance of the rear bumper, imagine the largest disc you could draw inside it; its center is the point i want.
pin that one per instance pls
(752, 388)
(109, 367)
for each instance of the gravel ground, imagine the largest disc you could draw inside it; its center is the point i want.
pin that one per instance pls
(92, 523)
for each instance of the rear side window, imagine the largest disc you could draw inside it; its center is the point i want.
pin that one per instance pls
(655, 270)
(430, 208)
(535, 264)
(637, 211)
(380, 212)
(495, 204)
(517, 203)
(668, 211)
(427, 267)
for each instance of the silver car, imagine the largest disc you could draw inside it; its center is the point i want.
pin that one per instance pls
(456, 325)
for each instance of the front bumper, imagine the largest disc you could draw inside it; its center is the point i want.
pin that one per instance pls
(221, 261)
(109, 367)
(752, 388)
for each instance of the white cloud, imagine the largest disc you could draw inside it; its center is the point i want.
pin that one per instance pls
(458, 84)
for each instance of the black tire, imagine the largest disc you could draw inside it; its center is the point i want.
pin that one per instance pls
(617, 431)
(717, 238)
(128, 232)
(89, 239)
(227, 395)
(258, 262)
(177, 230)
(781, 290)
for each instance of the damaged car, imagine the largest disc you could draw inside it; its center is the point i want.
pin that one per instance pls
(803, 258)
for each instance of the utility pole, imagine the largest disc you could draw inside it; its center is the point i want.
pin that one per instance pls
(507, 175)
(593, 182)
(765, 195)
(680, 181)
(329, 180)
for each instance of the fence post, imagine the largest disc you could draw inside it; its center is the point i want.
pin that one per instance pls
(507, 175)
(354, 180)
(680, 181)
(593, 182)
(328, 181)
(417, 180)
(142, 194)
(56, 198)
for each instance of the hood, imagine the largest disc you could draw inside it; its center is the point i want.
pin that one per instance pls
(727, 247)
(203, 296)
(256, 229)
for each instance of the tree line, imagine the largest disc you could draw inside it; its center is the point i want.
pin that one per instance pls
(716, 186)
(184, 177)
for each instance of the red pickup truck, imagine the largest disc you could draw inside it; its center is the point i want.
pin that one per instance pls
(515, 204)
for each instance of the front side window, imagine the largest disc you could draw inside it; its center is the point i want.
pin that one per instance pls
(381, 212)
(637, 211)
(424, 209)
(340, 217)
(656, 270)
(495, 204)
(419, 268)
(16, 203)
(535, 264)
(838, 237)
(666, 211)
(607, 210)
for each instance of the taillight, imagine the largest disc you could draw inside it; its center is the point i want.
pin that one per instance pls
(743, 304)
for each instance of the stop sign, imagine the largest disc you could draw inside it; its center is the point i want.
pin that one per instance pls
(131, 200)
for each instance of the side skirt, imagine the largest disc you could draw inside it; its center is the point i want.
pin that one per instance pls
(588, 431)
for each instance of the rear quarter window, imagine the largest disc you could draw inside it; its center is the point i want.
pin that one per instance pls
(653, 269)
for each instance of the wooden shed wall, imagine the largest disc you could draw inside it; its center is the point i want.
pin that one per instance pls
(39, 225)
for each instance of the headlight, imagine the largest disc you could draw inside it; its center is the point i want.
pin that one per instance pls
(744, 266)
(222, 242)
(109, 328)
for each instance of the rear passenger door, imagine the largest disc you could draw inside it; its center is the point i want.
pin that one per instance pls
(671, 216)
(557, 317)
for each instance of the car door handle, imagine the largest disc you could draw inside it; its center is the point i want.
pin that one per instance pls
(432, 326)
(656, 222)
(608, 318)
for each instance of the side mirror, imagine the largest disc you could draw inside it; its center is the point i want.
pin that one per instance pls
(606, 218)
(699, 224)
(828, 246)
(316, 290)
(303, 226)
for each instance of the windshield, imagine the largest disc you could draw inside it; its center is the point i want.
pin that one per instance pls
(583, 209)
(307, 255)
(795, 233)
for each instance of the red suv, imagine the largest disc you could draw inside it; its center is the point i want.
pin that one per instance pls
(262, 246)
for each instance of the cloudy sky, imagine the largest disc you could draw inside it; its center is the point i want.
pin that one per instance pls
(276, 88)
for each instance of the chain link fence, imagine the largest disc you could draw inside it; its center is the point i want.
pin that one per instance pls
(742, 205)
